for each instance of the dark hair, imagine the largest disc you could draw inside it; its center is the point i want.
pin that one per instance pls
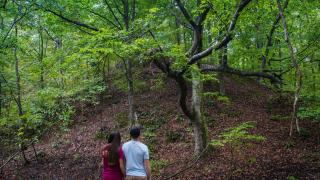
(135, 132)
(114, 141)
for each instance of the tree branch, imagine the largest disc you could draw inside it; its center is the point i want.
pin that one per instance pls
(104, 18)
(183, 96)
(4, 4)
(113, 14)
(117, 7)
(70, 20)
(229, 70)
(15, 21)
(264, 56)
(133, 10)
(186, 14)
(227, 38)
(203, 15)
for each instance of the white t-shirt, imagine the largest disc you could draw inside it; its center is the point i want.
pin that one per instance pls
(135, 153)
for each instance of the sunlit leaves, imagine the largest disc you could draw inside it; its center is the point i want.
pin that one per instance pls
(238, 136)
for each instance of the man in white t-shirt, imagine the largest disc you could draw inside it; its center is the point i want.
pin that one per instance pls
(137, 157)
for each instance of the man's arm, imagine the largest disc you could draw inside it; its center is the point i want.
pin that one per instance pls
(148, 168)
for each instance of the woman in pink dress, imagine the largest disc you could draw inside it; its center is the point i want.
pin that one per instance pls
(112, 157)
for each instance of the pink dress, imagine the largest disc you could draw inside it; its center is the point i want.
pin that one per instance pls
(112, 172)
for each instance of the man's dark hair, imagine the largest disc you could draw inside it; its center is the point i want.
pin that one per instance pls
(135, 132)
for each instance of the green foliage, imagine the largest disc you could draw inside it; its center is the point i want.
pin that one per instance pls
(291, 178)
(209, 119)
(279, 118)
(152, 120)
(174, 136)
(101, 135)
(211, 97)
(158, 164)
(237, 136)
(158, 83)
(289, 144)
(122, 119)
(251, 160)
(310, 108)
(305, 133)
(151, 139)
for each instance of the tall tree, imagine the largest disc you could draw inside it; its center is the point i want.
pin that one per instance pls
(298, 73)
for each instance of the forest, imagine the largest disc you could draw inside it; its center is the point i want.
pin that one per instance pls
(220, 89)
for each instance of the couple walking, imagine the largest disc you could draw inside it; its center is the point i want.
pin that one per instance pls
(129, 161)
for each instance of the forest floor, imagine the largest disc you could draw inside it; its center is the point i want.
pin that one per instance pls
(75, 154)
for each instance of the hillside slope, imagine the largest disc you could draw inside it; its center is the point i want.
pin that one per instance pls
(75, 154)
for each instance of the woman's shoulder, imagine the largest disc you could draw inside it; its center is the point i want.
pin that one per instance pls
(105, 146)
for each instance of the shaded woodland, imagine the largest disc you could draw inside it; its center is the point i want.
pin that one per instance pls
(223, 89)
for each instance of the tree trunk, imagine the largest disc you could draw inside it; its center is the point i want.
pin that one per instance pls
(18, 87)
(58, 45)
(132, 114)
(41, 55)
(298, 73)
(126, 18)
(20, 111)
(178, 35)
(198, 123)
(223, 63)
(103, 71)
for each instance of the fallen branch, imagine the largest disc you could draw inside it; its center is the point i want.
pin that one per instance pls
(191, 163)
(10, 158)
(210, 68)
(14, 155)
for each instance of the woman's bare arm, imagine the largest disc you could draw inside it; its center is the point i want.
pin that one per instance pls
(104, 151)
(123, 171)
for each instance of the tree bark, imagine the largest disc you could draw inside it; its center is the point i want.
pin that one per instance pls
(132, 113)
(41, 56)
(20, 111)
(298, 73)
(178, 35)
(223, 63)
(199, 125)
(18, 87)
(264, 57)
